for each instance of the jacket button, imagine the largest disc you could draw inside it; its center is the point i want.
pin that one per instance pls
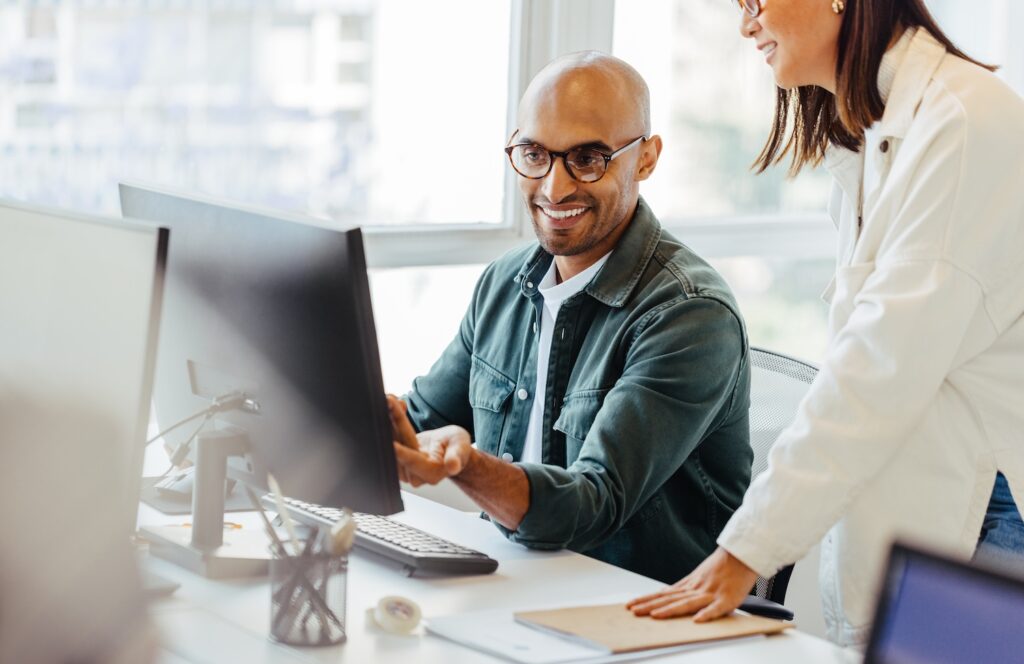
(884, 147)
(522, 394)
(506, 457)
(529, 284)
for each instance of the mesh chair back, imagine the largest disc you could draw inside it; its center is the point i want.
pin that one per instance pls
(777, 385)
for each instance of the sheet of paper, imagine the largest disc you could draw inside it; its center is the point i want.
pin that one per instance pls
(496, 632)
(615, 629)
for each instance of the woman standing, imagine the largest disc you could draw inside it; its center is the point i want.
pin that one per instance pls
(918, 409)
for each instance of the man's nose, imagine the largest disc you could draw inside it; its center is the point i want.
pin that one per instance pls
(558, 185)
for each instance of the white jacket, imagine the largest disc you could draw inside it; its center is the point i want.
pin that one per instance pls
(920, 396)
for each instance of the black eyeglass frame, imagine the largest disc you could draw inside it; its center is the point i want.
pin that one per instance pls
(751, 7)
(565, 158)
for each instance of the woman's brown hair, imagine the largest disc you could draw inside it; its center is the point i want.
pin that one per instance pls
(814, 117)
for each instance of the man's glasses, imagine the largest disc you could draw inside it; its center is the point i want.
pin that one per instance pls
(752, 7)
(583, 164)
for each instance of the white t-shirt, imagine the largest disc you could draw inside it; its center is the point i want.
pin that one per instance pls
(554, 294)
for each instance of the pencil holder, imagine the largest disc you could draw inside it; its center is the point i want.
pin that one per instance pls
(307, 600)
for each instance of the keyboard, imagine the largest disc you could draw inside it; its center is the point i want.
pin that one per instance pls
(416, 550)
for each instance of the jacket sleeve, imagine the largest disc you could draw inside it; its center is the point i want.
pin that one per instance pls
(909, 313)
(679, 383)
(901, 339)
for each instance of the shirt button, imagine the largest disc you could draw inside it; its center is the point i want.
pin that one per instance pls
(522, 394)
(884, 147)
(506, 457)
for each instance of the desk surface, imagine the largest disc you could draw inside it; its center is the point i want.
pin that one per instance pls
(228, 621)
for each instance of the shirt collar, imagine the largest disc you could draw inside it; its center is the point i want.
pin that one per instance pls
(622, 270)
(558, 292)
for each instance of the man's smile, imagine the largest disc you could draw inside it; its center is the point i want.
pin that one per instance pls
(563, 216)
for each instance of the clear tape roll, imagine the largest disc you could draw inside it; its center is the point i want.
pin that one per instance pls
(397, 615)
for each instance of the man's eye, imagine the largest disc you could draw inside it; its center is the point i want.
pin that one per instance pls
(534, 156)
(586, 159)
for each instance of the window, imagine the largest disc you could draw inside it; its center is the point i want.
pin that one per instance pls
(780, 299)
(986, 31)
(392, 115)
(713, 124)
(417, 312)
(364, 112)
(767, 235)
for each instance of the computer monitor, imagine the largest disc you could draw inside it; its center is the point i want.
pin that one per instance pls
(80, 300)
(79, 315)
(939, 610)
(276, 307)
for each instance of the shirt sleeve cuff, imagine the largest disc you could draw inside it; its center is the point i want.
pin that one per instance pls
(752, 547)
(540, 528)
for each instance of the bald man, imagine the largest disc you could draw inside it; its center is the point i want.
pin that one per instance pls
(595, 397)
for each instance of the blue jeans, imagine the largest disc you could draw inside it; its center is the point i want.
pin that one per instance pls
(1002, 534)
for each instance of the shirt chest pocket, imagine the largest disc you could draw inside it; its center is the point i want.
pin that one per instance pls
(579, 410)
(843, 291)
(489, 391)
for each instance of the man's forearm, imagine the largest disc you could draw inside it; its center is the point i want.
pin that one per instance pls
(501, 489)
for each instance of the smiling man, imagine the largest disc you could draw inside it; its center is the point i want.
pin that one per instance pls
(602, 373)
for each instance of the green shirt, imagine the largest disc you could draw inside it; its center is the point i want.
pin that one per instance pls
(646, 441)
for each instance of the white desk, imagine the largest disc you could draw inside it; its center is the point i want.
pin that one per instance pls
(228, 621)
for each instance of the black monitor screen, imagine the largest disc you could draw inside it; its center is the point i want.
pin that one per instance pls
(276, 307)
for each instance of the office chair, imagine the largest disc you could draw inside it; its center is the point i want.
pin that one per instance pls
(777, 385)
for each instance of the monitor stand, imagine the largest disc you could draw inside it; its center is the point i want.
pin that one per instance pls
(206, 548)
(155, 586)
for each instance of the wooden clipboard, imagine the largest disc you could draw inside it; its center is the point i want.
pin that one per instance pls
(615, 628)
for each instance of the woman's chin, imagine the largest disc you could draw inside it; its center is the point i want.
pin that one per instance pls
(783, 79)
(788, 80)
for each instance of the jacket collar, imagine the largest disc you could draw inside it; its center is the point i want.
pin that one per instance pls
(913, 74)
(891, 61)
(614, 282)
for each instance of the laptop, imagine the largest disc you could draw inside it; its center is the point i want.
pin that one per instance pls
(939, 610)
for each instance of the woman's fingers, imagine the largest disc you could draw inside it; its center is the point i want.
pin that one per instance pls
(647, 598)
(684, 583)
(713, 611)
(657, 602)
(684, 606)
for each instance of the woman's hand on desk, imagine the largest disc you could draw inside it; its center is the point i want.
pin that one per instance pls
(714, 589)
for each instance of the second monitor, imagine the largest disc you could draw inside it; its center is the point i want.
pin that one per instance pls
(277, 309)
(267, 319)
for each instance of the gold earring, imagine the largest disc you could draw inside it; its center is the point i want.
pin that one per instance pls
(838, 6)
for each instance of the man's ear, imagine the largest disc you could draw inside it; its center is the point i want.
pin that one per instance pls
(650, 152)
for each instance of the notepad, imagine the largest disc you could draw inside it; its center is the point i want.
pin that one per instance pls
(614, 628)
(496, 632)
